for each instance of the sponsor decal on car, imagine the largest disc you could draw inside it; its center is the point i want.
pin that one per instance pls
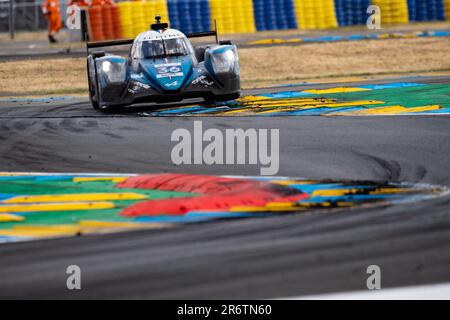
(169, 75)
(203, 80)
(167, 65)
(172, 84)
(138, 86)
(169, 70)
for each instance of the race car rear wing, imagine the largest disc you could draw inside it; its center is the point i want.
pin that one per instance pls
(204, 34)
(101, 44)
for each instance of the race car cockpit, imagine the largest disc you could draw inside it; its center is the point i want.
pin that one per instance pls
(161, 48)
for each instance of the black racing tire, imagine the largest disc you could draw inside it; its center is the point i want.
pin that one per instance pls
(92, 92)
(94, 104)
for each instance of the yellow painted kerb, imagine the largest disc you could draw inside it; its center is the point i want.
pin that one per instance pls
(76, 197)
(74, 206)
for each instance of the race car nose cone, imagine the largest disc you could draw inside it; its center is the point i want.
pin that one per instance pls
(168, 75)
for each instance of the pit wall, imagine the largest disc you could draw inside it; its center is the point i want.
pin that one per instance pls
(129, 18)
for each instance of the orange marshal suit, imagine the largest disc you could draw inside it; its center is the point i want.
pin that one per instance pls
(50, 8)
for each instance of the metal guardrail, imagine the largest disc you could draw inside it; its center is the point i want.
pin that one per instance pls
(10, 15)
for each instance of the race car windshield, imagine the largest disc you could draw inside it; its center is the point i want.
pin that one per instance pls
(164, 48)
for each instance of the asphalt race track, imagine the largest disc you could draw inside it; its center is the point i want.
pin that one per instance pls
(271, 257)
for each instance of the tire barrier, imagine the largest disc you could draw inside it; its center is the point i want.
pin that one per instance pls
(138, 18)
(149, 8)
(127, 19)
(274, 14)
(161, 9)
(351, 12)
(315, 14)
(233, 17)
(426, 10)
(108, 22)
(393, 11)
(189, 16)
(116, 21)
(126, 22)
(103, 21)
(95, 20)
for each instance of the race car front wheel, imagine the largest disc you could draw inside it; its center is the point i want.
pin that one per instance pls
(92, 92)
(95, 104)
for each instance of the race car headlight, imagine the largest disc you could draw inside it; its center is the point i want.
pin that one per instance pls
(114, 72)
(106, 66)
(224, 62)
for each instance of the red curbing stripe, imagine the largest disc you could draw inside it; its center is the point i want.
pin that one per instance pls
(202, 184)
(181, 206)
(216, 193)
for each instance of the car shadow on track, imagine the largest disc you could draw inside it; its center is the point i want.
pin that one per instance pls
(141, 108)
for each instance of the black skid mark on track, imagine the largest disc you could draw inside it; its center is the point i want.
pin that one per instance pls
(387, 170)
(50, 126)
(421, 172)
(88, 124)
(112, 135)
(79, 125)
(23, 125)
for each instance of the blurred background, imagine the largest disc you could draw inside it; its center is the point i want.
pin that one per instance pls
(125, 19)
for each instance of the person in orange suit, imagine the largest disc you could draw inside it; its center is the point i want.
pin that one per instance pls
(50, 9)
(80, 3)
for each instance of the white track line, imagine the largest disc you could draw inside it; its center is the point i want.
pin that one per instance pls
(423, 292)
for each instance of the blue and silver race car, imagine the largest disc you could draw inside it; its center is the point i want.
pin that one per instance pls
(163, 66)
